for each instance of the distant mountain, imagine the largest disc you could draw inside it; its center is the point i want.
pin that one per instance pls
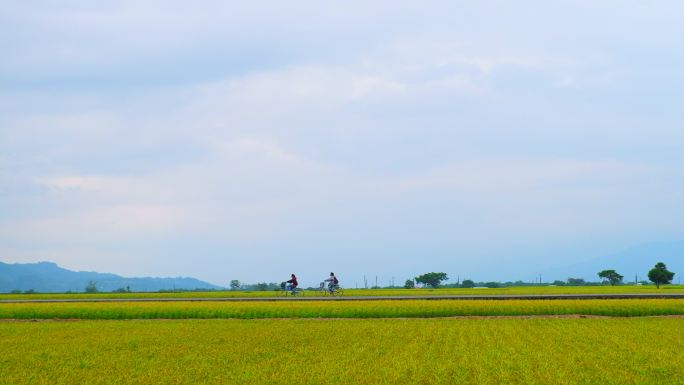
(637, 261)
(48, 277)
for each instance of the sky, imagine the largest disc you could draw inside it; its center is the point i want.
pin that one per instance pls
(491, 140)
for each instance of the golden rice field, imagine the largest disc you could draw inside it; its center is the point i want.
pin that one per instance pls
(380, 351)
(339, 309)
(520, 290)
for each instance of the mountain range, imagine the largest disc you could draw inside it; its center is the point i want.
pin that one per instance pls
(48, 277)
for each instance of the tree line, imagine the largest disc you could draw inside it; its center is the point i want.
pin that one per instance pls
(659, 275)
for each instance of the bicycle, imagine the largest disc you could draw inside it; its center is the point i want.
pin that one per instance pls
(294, 292)
(324, 290)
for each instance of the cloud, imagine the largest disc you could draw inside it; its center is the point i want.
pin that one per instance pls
(250, 135)
(96, 225)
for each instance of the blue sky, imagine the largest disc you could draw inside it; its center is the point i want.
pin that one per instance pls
(490, 140)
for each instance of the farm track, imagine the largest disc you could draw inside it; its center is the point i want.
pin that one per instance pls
(367, 298)
(502, 317)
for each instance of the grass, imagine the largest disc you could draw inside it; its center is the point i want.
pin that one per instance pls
(372, 292)
(400, 351)
(337, 309)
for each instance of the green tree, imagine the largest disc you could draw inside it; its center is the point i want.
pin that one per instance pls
(409, 284)
(91, 287)
(576, 282)
(660, 275)
(432, 279)
(235, 285)
(467, 283)
(611, 276)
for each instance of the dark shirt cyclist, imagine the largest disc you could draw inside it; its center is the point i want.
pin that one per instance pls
(292, 283)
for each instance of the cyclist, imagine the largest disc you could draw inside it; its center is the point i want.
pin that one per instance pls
(292, 283)
(332, 282)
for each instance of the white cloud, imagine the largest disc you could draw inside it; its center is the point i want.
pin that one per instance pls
(127, 222)
(353, 129)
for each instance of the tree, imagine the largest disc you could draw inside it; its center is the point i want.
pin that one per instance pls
(467, 283)
(611, 276)
(432, 279)
(576, 282)
(235, 285)
(91, 287)
(409, 284)
(660, 275)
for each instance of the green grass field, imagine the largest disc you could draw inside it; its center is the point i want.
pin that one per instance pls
(339, 309)
(400, 351)
(374, 292)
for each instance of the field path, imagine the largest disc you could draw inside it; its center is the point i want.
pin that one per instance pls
(366, 298)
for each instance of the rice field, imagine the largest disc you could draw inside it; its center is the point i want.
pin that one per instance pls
(371, 351)
(412, 341)
(519, 290)
(339, 309)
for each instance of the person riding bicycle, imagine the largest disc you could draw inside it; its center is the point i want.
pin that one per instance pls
(333, 282)
(292, 283)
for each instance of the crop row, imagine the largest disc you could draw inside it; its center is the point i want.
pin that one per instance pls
(336, 309)
(416, 351)
(518, 290)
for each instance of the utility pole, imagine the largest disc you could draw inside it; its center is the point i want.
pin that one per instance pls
(376, 281)
(365, 282)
